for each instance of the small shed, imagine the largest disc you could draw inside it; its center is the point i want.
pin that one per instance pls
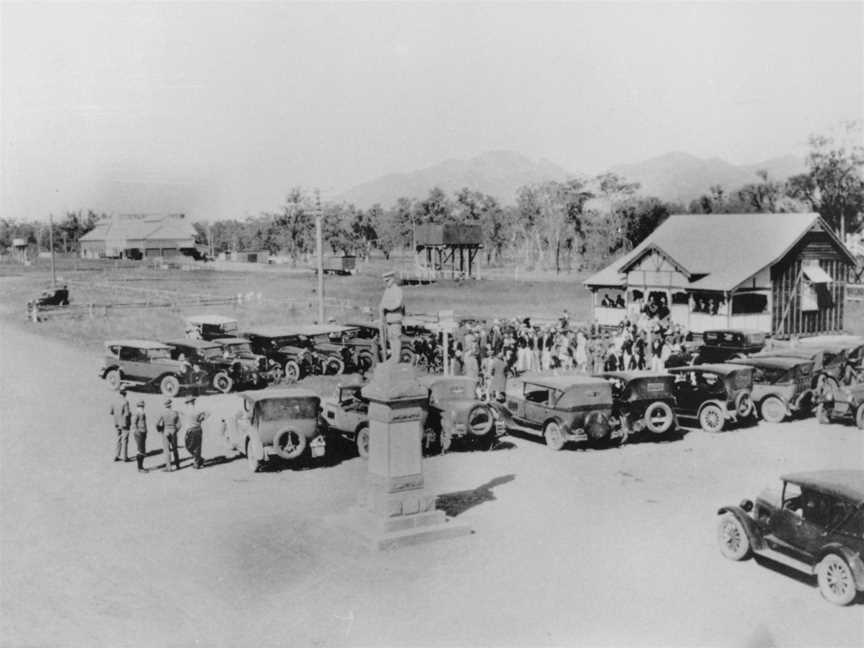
(449, 249)
(783, 274)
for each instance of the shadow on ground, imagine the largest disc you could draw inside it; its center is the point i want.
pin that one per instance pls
(454, 504)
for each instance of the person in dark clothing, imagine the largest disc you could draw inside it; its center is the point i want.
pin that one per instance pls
(122, 414)
(139, 432)
(193, 435)
(168, 425)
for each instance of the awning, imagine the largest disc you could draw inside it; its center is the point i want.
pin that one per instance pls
(815, 274)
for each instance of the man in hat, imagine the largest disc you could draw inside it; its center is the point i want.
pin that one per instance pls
(193, 437)
(122, 420)
(391, 311)
(167, 426)
(139, 431)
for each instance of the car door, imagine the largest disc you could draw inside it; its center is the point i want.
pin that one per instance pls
(685, 393)
(134, 363)
(536, 405)
(798, 526)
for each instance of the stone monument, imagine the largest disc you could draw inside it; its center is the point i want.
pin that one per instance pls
(395, 509)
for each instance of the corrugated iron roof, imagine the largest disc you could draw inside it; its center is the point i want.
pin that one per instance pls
(721, 250)
(124, 228)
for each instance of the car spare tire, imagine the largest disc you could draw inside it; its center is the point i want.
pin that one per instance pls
(289, 444)
(597, 426)
(480, 420)
(659, 418)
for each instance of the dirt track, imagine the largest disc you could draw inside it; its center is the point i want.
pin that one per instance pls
(612, 547)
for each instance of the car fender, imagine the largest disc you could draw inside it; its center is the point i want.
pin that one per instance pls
(565, 428)
(852, 558)
(754, 533)
(767, 396)
(105, 370)
(718, 403)
(253, 445)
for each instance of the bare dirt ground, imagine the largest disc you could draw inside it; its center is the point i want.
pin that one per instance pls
(597, 548)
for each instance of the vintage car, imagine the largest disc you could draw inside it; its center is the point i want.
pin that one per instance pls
(248, 369)
(781, 386)
(276, 423)
(363, 338)
(337, 350)
(846, 403)
(148, 363)
(722, 345)
(51, 297)
(210, 327)
(347, 414)
(814, 524)
(289, 350)
(205, 357)
(642, 400)
(560, 408)
(714, 394)
(829, 363)
(455, 414)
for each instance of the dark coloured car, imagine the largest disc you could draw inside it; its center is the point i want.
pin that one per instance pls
(248, 369)
(289, 349)
(205, 357)
(51, 297)
(559, 408)
(814, 524)
(844, 404)
(781, 386)
(722, 345)
(210, 327)
(456, 414)
(339, 351)
(148, 363)
(715, 394)
(643, 400)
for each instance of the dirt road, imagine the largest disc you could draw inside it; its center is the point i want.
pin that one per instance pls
(612, 547)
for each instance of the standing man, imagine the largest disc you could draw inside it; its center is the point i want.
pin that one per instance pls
(167, 426)
(391, 311)
(122, 420)
(193, 437)
(139, 431)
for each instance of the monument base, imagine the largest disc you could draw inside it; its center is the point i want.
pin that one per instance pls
(380, 533)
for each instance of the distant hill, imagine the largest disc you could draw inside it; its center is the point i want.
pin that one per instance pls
(681, 177)
(497, 173)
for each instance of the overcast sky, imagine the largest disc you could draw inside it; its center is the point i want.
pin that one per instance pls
(216, 110)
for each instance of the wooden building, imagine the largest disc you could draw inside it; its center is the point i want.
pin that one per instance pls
(448, 249)
(139, 236)
(783, 274)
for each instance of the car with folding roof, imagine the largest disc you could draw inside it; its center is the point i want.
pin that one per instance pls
(248, 369)
(721, 345)
(829, 363)
(560, 408)
(642, 401)
(337, 350)
(292, 348)
(148, 363)
(715, 394)
(813, 523)
(845, 404)
(782, 386)
(209, 327)
(205, 357)
(456, 415)
(276, 423)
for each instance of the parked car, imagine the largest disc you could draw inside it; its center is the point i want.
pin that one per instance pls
(844, 404)
(363, 337)
(814, 524)
(148, 363)
(248, 369)
(455, 414)
(205, 357)
(51, 297)
(210, 327)
(642, 400)
(290, 351)
(338, 352)
(781, 386)
(722, 345)
(715, 394)
(276, 423)
(347, 414)
(560, 408)
(829, 364)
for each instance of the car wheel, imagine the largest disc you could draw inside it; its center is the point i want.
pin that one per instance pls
(733, 538)
(711, 418)
(222, 382)
(169, 386)
(114, 378)
(823, 415)
(743, 405)
(362, 441)
(553, 435)
(772, 410)
(659, 418)
(292, 371)
(253, 459)
(289, 444)
(836, 583)
(334, 366)
(407, 356)
(364, 362)
(480, 421)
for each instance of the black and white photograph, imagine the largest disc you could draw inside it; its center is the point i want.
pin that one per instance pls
(431, 324)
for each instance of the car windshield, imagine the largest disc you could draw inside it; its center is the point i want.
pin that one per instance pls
(288, 408)
(158, 354)
(211, 353)
(770, 375)
(240, 348)
(854, 526)
(284, 341)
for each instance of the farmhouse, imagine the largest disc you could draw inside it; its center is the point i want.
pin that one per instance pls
(783, 274)
(138, 236)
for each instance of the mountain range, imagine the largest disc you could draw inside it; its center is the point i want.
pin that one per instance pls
(675, 177)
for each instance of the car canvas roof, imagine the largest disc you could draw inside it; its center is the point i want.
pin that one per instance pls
(630, 375)
(560, 382)
(279, 392)
(210, 319)
(848, 483)
(139, 344)
(429, 380)
(197, 344)
(722, 369)
(777, 362)
(231, 340)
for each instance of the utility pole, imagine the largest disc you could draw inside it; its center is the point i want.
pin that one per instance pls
(51, 240)
(319, 250)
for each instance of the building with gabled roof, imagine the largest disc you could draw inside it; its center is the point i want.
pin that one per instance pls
(139, 236)
(783, 274)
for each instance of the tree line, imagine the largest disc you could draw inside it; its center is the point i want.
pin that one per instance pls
(579, 223)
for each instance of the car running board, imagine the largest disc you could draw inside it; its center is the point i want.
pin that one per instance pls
(578, 436)
(783, 559)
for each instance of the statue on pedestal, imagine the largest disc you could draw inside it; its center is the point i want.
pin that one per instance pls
(391, 311)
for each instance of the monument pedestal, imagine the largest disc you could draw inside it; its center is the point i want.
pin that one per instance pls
(395, 509)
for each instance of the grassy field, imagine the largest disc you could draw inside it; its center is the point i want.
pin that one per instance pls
(272, 295)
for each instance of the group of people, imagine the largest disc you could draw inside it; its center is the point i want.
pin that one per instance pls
(168, 425)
